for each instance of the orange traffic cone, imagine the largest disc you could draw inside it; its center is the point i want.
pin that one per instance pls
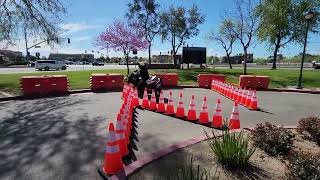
(228, 90)
(192, 114)
(145, 101)
(112, 158)
(240, 95)
(161, 107)
(135, 98)
(244, 96)
(121, 137)
(217, 117)
(235, 119)
(248, 99)
(153, 103)
(236, 93)
(254, 101)
(231, 92)
(204, 116)
(170, 106)
(180, 108)
(124, 90)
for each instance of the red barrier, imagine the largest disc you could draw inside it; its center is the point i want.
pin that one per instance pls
(106, 82)
(44, 85)
(254, 82)
(204, 80)
(169, 79)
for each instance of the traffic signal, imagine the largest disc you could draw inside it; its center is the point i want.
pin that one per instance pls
(135, 51)
(69, 41)
(85, 51)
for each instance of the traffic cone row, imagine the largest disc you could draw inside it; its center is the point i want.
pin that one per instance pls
(119, 136)
(247, 98)
(217, 119)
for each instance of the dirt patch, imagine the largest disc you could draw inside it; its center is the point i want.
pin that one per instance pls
(262, 166)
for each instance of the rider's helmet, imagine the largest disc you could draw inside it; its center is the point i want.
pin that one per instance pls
(143, 65)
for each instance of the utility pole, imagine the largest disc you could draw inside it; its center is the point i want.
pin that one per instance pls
(25, 38)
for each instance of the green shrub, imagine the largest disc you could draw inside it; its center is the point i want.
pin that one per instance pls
(272, 139)
(231, 149)
(311, 125)
(188, 172)
(304, 166)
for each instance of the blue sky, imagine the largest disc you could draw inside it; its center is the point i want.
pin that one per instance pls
(86, 19)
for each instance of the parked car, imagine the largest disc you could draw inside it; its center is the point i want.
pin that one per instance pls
(315, 65)
(97, 64)
(122, 63)
(50, 64)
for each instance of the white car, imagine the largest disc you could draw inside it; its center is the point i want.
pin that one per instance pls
(50, 64)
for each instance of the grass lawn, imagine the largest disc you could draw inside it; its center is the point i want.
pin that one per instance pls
(80, 79)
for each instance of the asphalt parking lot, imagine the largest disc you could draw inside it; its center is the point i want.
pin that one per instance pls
(64, 137)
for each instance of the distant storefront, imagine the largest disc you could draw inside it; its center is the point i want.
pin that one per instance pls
(7, 56)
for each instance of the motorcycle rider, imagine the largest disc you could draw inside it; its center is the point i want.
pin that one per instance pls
(144, 74)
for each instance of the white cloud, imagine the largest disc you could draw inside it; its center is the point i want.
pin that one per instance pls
(76, 27)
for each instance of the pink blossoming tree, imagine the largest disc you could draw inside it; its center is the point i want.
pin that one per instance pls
(124, 37)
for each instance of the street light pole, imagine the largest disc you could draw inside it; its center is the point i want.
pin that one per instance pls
(308, 17)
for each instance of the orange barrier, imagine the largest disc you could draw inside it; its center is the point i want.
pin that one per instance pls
(106, 82)
(204, 80)
(44, 85)
(254, 82)
(169, 79)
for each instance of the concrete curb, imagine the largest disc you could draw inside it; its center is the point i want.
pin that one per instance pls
(147, 159)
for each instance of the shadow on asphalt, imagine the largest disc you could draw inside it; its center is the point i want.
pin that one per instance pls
(184, 119)
(264, 111)
(37, 141)
(131, 157)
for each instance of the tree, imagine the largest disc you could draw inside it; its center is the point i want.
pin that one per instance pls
(282, 22)
(124, 37)
(145, 11)
(245, 26)
(225, 38)
(301, 7)
(36, 17)
(176, 26)
(277, 26)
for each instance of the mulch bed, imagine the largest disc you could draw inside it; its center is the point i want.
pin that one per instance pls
(262, 166)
